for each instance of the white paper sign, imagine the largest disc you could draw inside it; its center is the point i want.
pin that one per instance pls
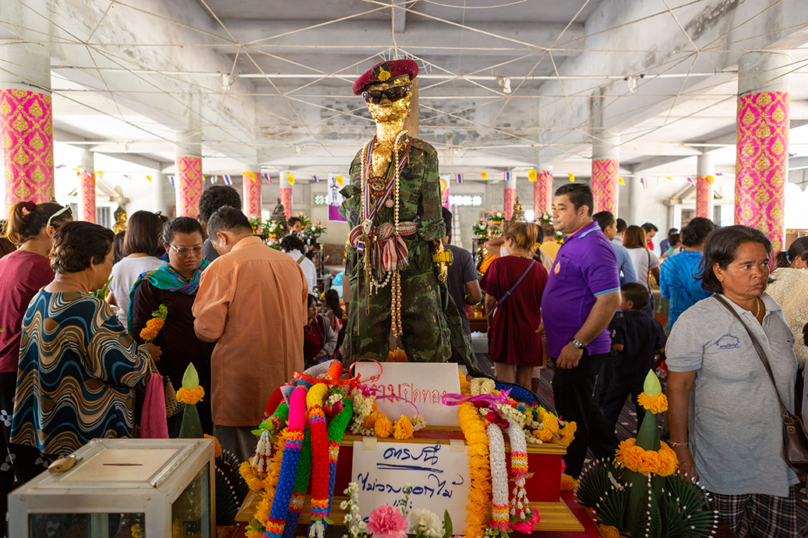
(424, 384)
(438, 476)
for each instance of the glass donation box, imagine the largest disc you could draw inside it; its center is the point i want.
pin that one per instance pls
(143, 488)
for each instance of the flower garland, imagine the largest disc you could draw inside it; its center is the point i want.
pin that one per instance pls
(548, 426)
(363, 408)
(336, 430)
(191, 396)
(257, 526)
(655, 404)
(300, 487)
(291, 457)
(473, 427)
(499, 478)
(662, 462)
(523, 518)
(320, 450)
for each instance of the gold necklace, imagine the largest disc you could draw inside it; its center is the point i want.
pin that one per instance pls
(757, 306)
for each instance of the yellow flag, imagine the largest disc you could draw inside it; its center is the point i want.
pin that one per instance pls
(250, 175)
(339, 179)
(669, 178)
(99, 173)
(531, 176)
(572, 177)
(149, 178)
(290, 178)
(78, 170)
(620, 180)
(484, 175)
(710, 179)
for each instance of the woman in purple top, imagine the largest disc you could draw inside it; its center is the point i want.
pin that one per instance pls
(515, 340)
(30, 226)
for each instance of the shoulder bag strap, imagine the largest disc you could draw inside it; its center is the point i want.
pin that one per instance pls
(508, 293)
(762, 354)
(300, 259)
(648, 274)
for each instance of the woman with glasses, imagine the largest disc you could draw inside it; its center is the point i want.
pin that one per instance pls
(143, 246)
(175, 286)
(31, 227)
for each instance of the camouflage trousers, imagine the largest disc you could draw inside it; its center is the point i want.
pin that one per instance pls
(426, 336)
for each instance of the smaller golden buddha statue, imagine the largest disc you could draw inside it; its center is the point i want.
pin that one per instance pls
(120, 220)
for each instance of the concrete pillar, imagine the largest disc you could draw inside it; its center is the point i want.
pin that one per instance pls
(189, 178)
(286, 192)
(87, 187)
(26, 115)
(704, 186)
(509, 193)
(543, 191)
(251, 192)
(762, 143)
(605, 171)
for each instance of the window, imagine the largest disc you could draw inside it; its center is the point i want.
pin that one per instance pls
(320, 199)
(465, 200)
(103, 216)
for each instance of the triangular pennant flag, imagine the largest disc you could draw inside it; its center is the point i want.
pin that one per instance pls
(644, 183)
(77, 170)
(532, 176)
(340, 180)
(620, 180)
(267, 178)
(291, 179)
(459, 178)
(690, 180)
(172, 180)
(99, 173)
(315, 179)
(507, 176)
(572, 177)
(127, 176)
(227, 179)
(149, 178)
(669, 178)
(250, 175)
(65, 166)
(484, 175)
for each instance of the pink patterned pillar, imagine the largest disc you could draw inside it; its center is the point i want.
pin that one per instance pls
(704, 196)
(87, 196)
(604, 185)
(510, 194)
(543, 192)
(761, 163)
(189, 186)
(26, 138)
(286, 193)
(251, 194)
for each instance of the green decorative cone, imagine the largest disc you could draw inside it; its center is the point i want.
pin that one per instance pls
(191, 427)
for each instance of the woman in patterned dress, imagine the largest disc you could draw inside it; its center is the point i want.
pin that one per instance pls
(78, 367)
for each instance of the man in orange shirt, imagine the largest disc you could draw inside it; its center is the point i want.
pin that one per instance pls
(252, 303)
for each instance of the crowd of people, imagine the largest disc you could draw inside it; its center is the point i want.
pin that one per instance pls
(76, 298)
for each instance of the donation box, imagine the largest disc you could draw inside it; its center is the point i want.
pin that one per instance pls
(164, 486)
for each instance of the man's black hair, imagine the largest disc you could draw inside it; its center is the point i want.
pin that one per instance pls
(215, 197)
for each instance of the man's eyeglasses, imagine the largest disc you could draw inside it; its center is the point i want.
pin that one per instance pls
(183, 251)
(393, 94)
(63, 210)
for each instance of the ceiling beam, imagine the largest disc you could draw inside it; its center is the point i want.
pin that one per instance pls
(399, 16)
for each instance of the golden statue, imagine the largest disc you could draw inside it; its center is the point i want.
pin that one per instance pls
(517, 214)
(120, 220)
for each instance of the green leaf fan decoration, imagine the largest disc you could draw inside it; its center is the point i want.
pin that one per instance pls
(595, 482)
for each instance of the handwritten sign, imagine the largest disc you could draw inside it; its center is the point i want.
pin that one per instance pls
(424, 384)
(438, 477)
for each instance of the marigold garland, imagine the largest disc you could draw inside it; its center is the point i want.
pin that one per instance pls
(336, 431)
(465, 389)
(662, 462)
(190, 396)
(320, 450)
(655, 404)
(478, 509)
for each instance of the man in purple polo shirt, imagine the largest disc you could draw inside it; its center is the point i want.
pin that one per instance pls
(580, 299)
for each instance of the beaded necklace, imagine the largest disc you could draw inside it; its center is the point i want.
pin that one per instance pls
(371, 284)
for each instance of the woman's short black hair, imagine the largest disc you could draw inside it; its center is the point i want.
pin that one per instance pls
(76, 244)
(797, 249)
(216, 197)
(119, 252)
(721, 248)
(696, 231)
(143, 234)
(181, 225)
(311, 299)
(292, 242)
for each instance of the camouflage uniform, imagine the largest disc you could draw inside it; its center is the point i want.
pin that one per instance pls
(426, 335)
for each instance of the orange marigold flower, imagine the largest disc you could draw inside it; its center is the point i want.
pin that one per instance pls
(568, 483)
(654, 404)
(608, 531)
(403, 429)
(217, 447)
(370, 420)
(155, 323)
(567, 433)
(148, 334)
(383, 427)
(190, 396)
(662, 462)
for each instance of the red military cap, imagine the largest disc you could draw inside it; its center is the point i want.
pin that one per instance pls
(384, 71)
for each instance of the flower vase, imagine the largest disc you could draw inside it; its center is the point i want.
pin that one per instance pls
(496, 222)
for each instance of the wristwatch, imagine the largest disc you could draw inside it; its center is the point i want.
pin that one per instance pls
(578, 344)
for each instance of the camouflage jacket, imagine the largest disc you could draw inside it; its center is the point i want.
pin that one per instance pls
(420, 202)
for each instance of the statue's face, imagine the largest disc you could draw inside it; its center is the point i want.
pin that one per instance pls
(386, 110)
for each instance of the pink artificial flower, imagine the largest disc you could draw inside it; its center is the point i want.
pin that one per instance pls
(387, 522)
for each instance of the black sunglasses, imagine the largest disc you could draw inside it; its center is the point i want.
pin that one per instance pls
(392, 94)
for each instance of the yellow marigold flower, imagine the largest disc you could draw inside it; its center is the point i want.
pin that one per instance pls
(148, 334)
(567, 433)
(155, 323)
(383, 427)
(568, 483)
(403, 429)
(217, 447)
(370, 420)
(190, 396)
(544, 435)
(608, 531)
(465, 389)
(654, 404)
(549, 420)
(661, 463)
